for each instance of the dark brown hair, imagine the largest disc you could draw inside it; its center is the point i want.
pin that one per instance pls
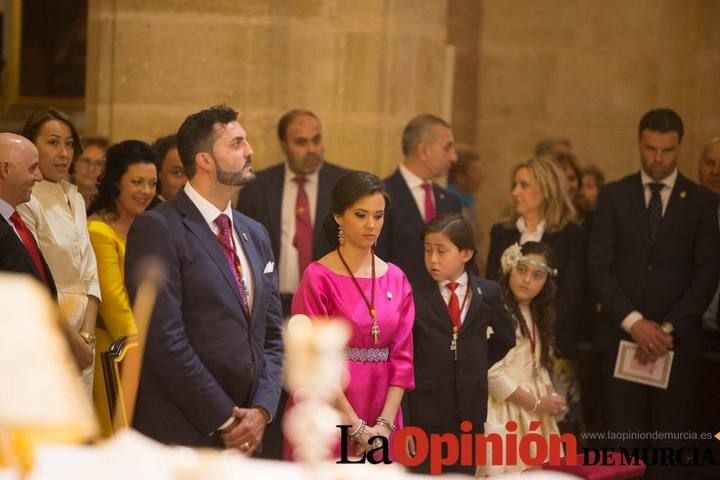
(350, 188)
(542, 307)
(39, 117)
(458, 229)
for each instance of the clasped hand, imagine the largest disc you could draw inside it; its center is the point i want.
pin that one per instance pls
(652, 342)
(246, 432)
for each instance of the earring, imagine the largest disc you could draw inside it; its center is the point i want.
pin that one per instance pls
(341, 235)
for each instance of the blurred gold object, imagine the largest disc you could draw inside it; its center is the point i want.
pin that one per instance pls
(43, 400)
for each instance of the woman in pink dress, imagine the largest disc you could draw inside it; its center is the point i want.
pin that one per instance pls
(376, 300)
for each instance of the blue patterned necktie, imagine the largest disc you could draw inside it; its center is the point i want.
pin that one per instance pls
(654, 209)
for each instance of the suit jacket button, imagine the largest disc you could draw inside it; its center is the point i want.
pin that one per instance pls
(649, 268)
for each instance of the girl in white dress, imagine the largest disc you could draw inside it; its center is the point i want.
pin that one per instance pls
(519, 385)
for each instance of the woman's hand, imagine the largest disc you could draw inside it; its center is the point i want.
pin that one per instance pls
(552, 404)
(84, 354)
(363, 440)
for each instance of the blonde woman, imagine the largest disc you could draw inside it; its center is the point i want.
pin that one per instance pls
(544, 212)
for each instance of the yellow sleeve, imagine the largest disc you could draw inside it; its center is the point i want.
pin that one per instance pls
(115, 306)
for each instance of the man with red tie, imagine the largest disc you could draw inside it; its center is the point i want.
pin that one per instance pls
(19, 170)
(429, 148)
(211, 376)
(292, 199)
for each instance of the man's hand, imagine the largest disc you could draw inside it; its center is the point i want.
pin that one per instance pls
(246, 433)
(652, 342)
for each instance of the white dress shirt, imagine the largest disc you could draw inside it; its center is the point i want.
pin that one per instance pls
(669, 184)
(459, 291)
(525, 235)
(415, 183)
(210, 213)
(6, 210)
(288, 262)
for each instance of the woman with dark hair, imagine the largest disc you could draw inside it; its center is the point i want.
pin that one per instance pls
(56, 216)
(519, 385)
(126, 189)
(124, 192)
(375, 298)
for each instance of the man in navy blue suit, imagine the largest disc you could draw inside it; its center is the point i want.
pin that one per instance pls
(213, 361)
(654, 254)
(429, 148)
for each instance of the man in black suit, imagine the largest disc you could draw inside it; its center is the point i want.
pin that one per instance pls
(429, 149)
(19, 170)
(654, 254)
(291, 199)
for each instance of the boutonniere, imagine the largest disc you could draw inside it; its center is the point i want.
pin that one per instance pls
(683, 194)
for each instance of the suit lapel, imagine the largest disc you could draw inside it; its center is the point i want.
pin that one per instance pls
(674, 207)
(442, 203)
(475, 299)
(637, 205)
(404, 201)
(253, 257)
(194, 221)
(322, 207)
(274, 205)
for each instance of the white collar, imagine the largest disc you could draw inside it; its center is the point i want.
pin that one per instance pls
(411, 179)
(522, 228)
(668, 181)
(309, 178)
(6, 210)
(209, 211)
(462, 280)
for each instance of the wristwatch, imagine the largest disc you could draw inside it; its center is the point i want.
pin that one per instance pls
(88, 337)
(667, 328)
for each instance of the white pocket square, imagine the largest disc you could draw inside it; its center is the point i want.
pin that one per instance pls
(269, 267)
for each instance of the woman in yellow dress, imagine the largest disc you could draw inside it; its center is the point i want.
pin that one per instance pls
(126, 189)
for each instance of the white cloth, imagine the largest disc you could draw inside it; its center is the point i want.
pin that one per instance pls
(525, 235)
(56, 216)
(506, 376)
(646, 180)
(288, 262)
(415, 183)
(459, 291)
(210, 213)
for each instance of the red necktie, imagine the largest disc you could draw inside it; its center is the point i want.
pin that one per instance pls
(303, 226)
(454, 305)
(30, 245)
(226, 242)
(429, 205)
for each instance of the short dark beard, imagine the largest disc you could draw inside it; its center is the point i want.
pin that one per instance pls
(234, 179)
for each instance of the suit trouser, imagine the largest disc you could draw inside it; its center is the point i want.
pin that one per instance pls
(632, 407)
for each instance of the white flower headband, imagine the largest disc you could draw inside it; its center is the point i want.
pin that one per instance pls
(513, 255)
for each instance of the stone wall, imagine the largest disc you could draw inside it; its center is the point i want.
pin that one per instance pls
(364, 67)
(588, 70)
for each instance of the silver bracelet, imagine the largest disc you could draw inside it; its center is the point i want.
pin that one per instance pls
(356, 434)
(384, 421)
(537, 404)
